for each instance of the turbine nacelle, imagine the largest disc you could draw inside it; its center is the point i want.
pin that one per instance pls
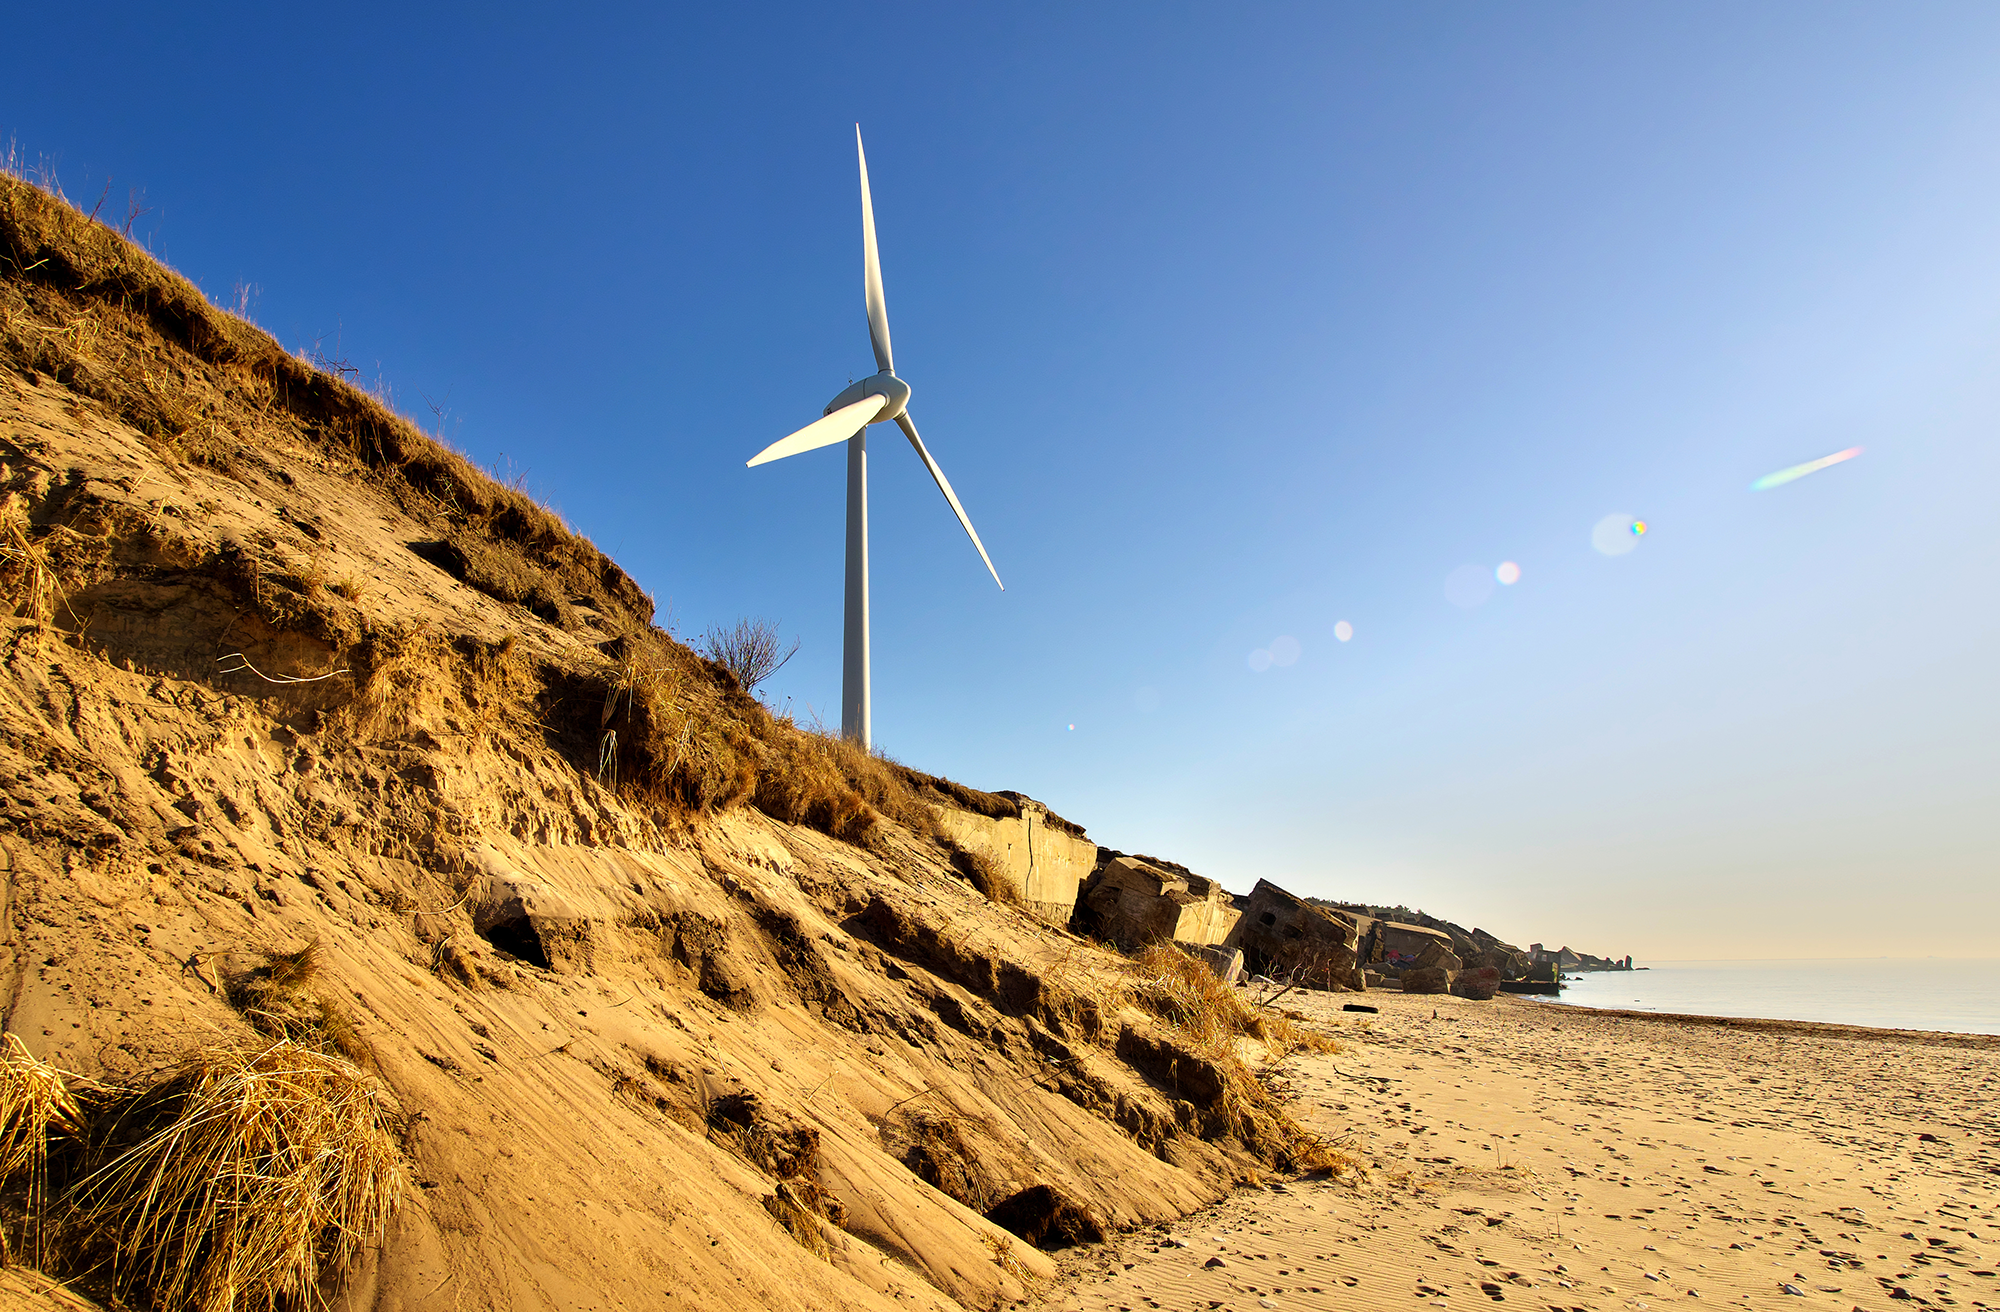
(895, 394)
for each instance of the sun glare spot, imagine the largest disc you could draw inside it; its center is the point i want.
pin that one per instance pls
(1468, 586)
(1343, 631)
(1509, 573)
(1614, 535)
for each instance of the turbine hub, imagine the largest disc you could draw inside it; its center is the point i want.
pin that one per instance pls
(885, 385)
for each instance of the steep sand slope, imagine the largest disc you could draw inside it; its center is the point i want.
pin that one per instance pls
(655, 1047)
(1555, 1157)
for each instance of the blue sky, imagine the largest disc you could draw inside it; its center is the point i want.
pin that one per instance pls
(1228, 323)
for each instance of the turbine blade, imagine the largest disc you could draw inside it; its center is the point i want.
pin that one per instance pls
(871, 270)
(836, 427)
(944, 486)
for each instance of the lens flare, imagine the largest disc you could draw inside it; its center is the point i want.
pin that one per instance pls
(1784, 476)
(1468, 586)
(1509, 573)
(1285, 651)
(1614, 535)
(1259, 660)
(1344, 631)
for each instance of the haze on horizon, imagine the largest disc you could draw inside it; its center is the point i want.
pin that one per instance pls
(1230, 326)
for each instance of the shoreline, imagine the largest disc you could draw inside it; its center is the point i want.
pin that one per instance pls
(1580, 1158)
(1921, 995)
(1827, 1028)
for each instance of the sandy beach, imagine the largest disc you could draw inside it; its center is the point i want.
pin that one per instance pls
(1565, 1158)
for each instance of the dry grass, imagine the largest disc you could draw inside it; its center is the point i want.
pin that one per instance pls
(805, 781)
(400, 686)
(1086, 990)
(414, 683)
(36, 1107)
(1185, 993)
(40, 567)
(499, 689)
(86, 306)
(984, 874)
(27, 580)
(279, 1002)
(876, 776)
(251, 1175)
(937, 1153)
(1282, 1036)
(690, 743)
(797, 1205)
(996, 806)
(786, 1150)
(1209, 1017)
(1309, 1152)
(676, 747)
(1180, 988)
(1001, 1245)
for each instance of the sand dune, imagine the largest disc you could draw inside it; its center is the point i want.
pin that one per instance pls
(1562, 1158)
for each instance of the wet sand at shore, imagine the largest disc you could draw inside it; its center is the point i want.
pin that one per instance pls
(1553, 1157)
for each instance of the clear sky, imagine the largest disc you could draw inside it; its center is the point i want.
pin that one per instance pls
(1230, 324)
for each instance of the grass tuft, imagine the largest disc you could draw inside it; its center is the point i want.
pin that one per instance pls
(248, 1175)
(279, 1002)
(291, 970)
(1081, 996)
(939, 1155)
(36, 1106)
(1209, 1017)
(984, 874)
(1282, 1036)
(796, 1204)
(1181, 989)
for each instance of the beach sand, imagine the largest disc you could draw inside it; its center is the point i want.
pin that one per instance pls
(1547, 1156)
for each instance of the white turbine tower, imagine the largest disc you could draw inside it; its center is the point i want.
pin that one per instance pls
(875, 400)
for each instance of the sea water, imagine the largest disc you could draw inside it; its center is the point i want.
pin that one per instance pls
(1920, 993)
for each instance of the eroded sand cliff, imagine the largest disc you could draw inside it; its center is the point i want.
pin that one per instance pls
(675, 1005)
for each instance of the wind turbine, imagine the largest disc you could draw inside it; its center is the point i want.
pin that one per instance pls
(876, 400)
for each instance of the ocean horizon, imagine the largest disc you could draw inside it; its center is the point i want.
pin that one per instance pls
(1958, 995)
